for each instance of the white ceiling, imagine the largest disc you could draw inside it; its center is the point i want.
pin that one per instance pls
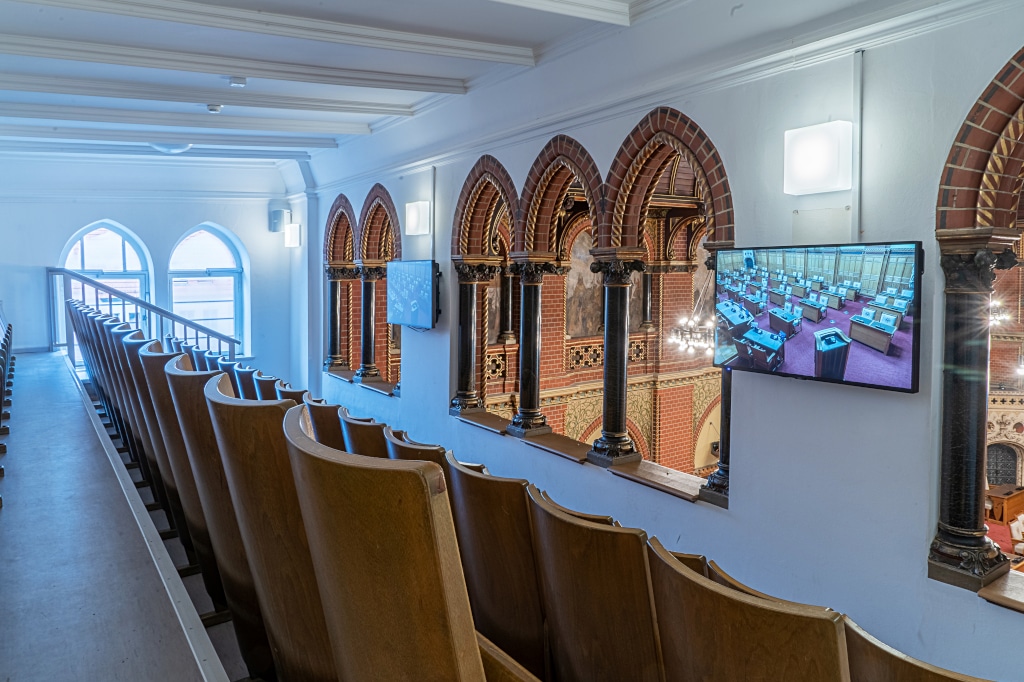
(136, 71)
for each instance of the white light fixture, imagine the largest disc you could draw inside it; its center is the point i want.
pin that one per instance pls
(819, 158)
(170, 148)
(237, 81)
(417, 218)
(293, 235)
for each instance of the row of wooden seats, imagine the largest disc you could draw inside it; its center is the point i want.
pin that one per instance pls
(7, 362)
(276, 569)
(328, 534)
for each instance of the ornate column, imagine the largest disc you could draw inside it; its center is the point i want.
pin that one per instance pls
(615, 446)
(336, 276)
(961, 553)
(716, 490)
(506, 334)
(368, 274)
(529, 420)
(471, 274)
(646, 321)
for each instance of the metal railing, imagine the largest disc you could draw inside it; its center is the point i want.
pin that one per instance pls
(155, 321)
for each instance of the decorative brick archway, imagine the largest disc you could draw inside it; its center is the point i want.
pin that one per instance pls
(379, 237)
(647, 150)
(976, 227)
(487, 192)
(341, 273)
(341, 222)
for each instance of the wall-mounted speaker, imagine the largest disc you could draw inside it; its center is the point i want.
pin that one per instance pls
(278, 219)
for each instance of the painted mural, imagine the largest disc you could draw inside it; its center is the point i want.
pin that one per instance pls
(584, 294)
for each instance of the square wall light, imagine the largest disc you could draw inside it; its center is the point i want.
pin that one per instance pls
(417, 218)
(293, 235)
(819, 158)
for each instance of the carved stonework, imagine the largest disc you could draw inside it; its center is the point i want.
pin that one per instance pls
(341, 272)
(475, 272)
(372, 273)
(980, 563)
(974, 273)
(533, 273)
(618, 272)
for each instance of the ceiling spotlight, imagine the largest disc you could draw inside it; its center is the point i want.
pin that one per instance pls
(237, 81)
(214, 108)
(170, 148)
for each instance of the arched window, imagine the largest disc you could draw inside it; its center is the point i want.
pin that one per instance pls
(112, 255)
(206, 280)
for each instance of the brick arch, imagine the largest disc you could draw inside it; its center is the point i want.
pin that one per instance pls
(648, 149)
(561, 161)
(487, 191)
(341, 221)
(632, 430)
(981, 181)
(379, 228)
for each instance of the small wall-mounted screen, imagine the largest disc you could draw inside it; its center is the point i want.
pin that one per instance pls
(844, 313)
(412, 293)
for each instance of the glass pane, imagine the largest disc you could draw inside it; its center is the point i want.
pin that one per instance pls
(209, 301)
(103, 250)
(74, 259)
(131, 258)
(201, 250)
(132, 287)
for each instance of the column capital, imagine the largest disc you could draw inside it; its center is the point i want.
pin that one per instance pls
(472, 271)
(371, 271)
(974, 273)
(341, 271)
(533, 272)
(617, 272)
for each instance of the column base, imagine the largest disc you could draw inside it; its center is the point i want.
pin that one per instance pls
(607, 453)
(367, 375)
(507, 337)
(334, 364)
(459, 406)
(647, 327)
(966, 566)
(716, 490)
(528, 428)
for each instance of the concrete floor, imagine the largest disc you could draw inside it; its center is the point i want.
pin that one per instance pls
(81, 597)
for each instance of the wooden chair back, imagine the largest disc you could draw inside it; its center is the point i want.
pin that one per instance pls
(266, 387)
(400, 446)
(390, 573)
(199, 359)
(284, 391)
(153, 360)
(602, 519)
(591, 576)
(871, 659)
(711, 632)
(245, 379)
(186, 388)
(228, 366)
(363, 436)
(493, 524)
(259, 474)
(326, 423)
(715, 573)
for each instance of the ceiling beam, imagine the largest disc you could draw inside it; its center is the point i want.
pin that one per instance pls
(51, 112)
(231, 96)
(606, 11)
(145, 136)
(267, 23)
(100, 53)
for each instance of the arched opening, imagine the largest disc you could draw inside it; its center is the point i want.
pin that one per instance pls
(111, 253)
(342, 275)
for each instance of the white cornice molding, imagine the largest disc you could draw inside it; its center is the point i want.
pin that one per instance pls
(145, 137)
(80, 197)
(230, 96)
(266, 23)
(711, 77)
(53, 112)
(100, 53)
(606, 11)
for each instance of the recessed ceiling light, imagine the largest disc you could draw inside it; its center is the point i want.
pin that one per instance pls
(214, 108)
(237, 81)
(170, 148)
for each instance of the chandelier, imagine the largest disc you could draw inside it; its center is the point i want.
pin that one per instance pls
(696, 332)
(997, 314)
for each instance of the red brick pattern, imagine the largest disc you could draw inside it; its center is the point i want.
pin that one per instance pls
(486, 188)
(654, 139)
(377, 217)
(980, 183)
(561, 161)
(338, 234)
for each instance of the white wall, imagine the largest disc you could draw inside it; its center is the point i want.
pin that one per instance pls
(46, 200)
(841, 514)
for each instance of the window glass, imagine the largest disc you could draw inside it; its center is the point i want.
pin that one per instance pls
(103, 250)
(212, 299)
(202, 250)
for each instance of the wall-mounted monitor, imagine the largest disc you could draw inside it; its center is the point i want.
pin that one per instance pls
(844, 313)
(413, 293)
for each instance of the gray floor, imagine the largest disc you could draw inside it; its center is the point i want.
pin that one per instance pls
(80, 596)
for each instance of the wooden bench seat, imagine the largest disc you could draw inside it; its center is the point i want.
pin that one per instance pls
(363, 436)
(326, 423)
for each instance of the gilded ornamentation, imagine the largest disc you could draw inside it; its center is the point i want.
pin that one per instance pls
(581, 413)
(704, 393)
(640, 410)
(495, 366)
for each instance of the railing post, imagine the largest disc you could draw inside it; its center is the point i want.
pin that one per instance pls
(69, 333)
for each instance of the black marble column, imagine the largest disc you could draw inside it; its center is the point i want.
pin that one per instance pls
(336, 277)
(506, 334)
(367, 362)
(646, 320)
(716, 490)
(961, 553)
(471, 275)
(615, 446)
(529, 420)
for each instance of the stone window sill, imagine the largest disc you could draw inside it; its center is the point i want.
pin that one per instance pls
(485, 420)
(348, 375)
(1006, 591)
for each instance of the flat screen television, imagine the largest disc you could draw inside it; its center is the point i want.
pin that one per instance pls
(413, 293)
(844, 313)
